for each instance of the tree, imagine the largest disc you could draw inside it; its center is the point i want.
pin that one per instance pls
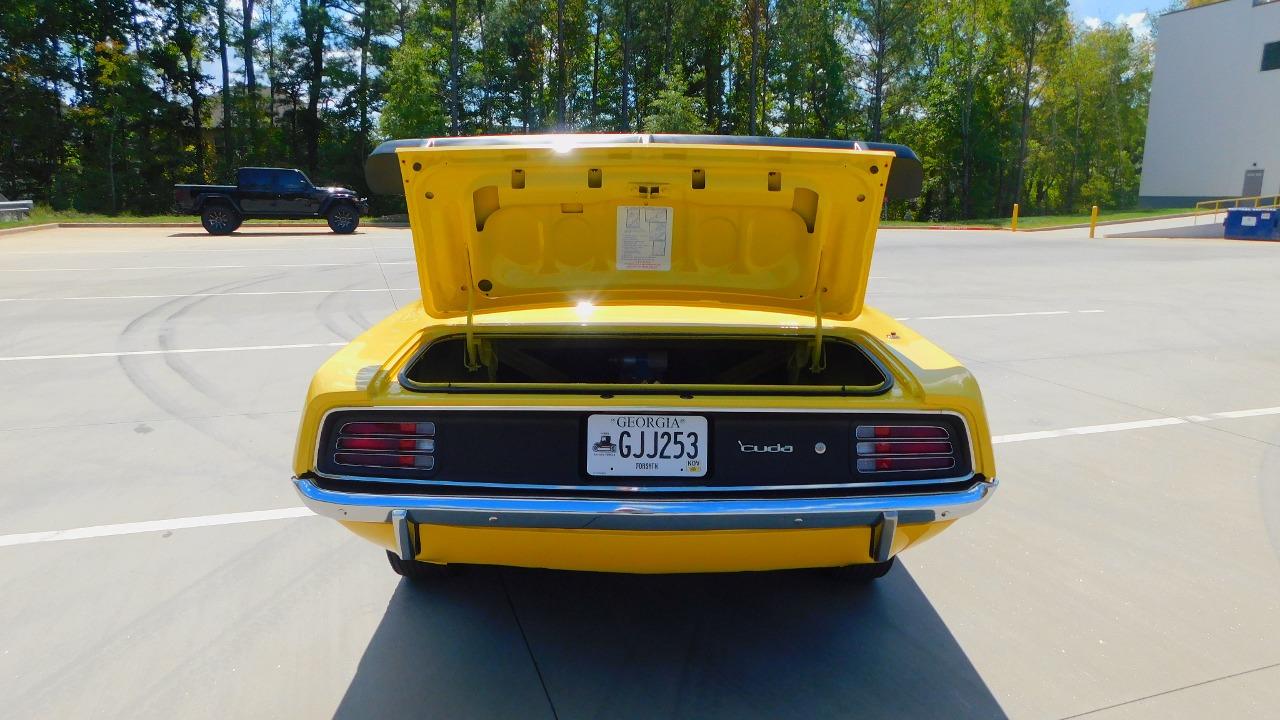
(247, 37)
(314, 19)
(674, 110)
(886, 28)
(414, 106)
(185, 41)
(1036, 28)
(228, 124)
(1001, 99)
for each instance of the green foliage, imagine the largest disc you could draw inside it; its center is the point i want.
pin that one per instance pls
(414, 106)
(105, 103)
(674, 110)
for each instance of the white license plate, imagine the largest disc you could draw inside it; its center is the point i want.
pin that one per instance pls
(647, 445)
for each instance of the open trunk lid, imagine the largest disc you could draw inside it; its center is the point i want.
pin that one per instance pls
(534, 221)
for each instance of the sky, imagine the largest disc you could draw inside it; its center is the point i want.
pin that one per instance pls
(1134, 13)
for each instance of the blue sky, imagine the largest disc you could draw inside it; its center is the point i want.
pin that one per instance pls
(1120, 12)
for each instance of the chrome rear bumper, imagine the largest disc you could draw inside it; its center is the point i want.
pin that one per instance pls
(885, 512)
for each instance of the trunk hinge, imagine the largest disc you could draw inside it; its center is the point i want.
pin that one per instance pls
(472, 361)
(475, 358)
(817, 355)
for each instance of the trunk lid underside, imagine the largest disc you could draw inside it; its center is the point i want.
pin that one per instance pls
(544, 222)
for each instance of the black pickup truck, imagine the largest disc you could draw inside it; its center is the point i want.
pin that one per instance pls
(278, 193)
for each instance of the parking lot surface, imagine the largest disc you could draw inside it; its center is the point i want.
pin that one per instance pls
(155, 562)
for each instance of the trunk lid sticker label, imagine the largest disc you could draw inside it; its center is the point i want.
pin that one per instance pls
(644, 237)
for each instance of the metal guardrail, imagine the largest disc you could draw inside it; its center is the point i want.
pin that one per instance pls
(15, 209)
(1249, 201)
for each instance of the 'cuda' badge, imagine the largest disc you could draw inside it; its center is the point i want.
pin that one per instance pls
(776, 448)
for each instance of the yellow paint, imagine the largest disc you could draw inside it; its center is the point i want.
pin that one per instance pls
(489, 242)
(648, 551)
(1249, 201)
(364, 373)
(1014, 224)
(1093, 221)
(744, 263)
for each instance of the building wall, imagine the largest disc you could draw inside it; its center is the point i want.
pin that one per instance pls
(1214, 114)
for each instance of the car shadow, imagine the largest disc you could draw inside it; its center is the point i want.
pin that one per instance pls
(783, 644)
(281, 233)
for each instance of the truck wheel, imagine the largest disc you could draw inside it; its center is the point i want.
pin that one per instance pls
(220, 219)
(343, 218)
(864, 573)
(417, 570)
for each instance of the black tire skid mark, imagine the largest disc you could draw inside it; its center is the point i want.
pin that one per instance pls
(136, 369)
(329, 316)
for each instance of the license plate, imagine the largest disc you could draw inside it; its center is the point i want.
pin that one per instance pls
(647, 445)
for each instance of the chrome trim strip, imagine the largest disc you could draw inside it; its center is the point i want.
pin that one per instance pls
(609, 514)
(650, 488)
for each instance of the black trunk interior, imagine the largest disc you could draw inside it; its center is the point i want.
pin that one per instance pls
(657, 362)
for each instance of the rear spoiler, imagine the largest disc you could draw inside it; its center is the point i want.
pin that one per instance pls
(382, 172)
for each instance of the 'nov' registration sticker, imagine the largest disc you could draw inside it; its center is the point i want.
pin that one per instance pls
(647, 445)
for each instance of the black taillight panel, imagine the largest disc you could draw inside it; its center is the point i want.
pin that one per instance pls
(747, 449)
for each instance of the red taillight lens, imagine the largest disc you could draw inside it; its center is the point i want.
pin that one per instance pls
(408, 444)
(402, 445)
(903, 448)
(901, 432)
(389, 428)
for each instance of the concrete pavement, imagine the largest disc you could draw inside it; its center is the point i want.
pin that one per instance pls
(1127, 568)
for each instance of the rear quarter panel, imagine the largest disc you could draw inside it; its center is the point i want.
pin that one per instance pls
(365, 373)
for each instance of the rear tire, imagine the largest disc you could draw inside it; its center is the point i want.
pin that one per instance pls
(416, 570)
(343, 218)
(220, 219)
(863, 573)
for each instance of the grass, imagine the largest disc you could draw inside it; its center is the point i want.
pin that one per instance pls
(41, 214)
(1039, 222)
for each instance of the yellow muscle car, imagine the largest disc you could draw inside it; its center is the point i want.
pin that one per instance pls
(645, 354)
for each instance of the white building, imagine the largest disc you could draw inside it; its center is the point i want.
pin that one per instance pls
(1213, 129)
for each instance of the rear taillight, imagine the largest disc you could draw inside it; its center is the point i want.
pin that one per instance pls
(405, 445)
(904, 448)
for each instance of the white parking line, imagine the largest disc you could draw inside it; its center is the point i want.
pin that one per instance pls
(1003, 315)
(1087, 430)
(1135, 425)
(1247, 413)
(203, 267)
(215, 294)
(97, 531)
(128, 353)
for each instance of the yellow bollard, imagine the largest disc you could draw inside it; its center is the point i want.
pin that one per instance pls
(1093, 221)
(1014, 225)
